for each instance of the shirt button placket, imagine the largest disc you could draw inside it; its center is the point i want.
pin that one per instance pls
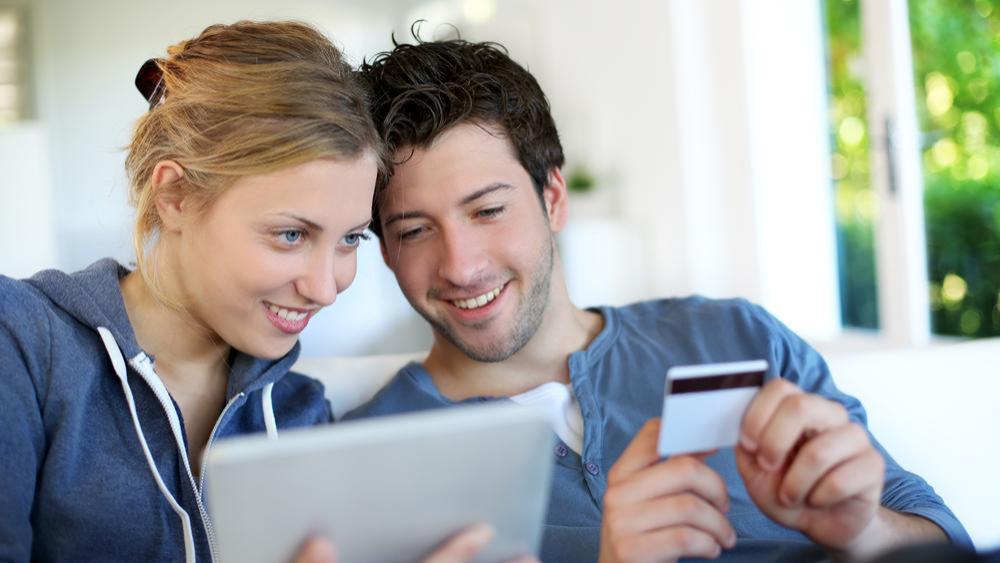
(592, 468)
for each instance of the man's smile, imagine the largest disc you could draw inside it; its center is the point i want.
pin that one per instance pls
(479, 300)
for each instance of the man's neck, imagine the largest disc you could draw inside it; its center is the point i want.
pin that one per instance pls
(564, 329)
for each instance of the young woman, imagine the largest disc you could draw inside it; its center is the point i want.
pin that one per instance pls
(252, 176)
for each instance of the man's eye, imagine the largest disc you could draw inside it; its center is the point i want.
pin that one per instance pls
(410, 234)
(490, 212)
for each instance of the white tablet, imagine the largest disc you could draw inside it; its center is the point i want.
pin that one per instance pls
(384, 490)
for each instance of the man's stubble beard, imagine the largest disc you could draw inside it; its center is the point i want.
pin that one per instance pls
(526, 322)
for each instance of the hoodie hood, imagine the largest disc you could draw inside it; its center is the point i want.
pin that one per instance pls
(93, 297)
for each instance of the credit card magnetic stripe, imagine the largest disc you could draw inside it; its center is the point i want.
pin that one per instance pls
(716, 382)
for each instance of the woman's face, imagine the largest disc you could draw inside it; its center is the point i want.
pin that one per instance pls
(272, 250)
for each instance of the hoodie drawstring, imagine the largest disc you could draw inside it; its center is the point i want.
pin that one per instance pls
(268, 408)
(118, 362)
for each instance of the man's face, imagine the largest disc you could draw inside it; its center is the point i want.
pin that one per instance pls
(469, 242)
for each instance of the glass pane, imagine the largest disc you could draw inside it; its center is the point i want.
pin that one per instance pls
(8, 28)
(10, 81)
(956, 59)
(855, 200)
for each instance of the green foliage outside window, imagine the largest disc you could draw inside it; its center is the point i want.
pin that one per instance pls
(956, 59)
(853, 196)
(956, 56)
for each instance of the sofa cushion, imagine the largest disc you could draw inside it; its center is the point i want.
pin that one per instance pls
(936, 410)
(352, 381)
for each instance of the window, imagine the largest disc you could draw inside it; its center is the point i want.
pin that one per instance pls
(916, 164)
(12, 67)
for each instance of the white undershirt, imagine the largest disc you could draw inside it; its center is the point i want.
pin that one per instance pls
(564, 412)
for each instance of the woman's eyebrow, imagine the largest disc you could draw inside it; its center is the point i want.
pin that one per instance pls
(311, 224)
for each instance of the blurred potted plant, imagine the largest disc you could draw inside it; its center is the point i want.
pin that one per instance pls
(579, 179)
(589, 197)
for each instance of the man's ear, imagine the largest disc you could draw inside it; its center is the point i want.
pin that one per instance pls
(556, 200)
(168, 193)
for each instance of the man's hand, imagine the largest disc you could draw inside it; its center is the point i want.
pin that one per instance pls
(808, 467)
(458, 549)
(660, 511)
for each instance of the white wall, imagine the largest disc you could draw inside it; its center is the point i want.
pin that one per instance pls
(708, 182)
(27, 234)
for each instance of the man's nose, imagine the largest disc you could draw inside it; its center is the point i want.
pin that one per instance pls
(462, 259)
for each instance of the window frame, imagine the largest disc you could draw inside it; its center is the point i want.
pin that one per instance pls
(896, 173)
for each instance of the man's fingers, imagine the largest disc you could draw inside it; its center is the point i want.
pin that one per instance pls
(640, 453)
(761, 410)
(463, 546)
(797, 416)
(676, 475)
(676, 510)
(859, 475)
(317, 550)
(671, 544)
(819, 456)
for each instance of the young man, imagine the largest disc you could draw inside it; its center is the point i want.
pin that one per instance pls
(467, 223)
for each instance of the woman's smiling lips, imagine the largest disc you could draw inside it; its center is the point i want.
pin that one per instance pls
(289, 320)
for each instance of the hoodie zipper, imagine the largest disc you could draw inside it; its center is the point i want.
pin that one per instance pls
(138, 363)
(209, 528)
(211, 439)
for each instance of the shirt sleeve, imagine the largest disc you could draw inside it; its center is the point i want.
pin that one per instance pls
(22, 441)
(903, 491)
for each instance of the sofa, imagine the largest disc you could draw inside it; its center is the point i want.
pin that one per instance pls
(936, 409)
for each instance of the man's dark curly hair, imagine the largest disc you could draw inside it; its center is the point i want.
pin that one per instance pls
(420, 90)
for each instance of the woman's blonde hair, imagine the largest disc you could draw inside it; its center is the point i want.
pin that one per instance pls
(239, 100)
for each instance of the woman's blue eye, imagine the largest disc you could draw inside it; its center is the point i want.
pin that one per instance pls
(290, 237)
(354, 239)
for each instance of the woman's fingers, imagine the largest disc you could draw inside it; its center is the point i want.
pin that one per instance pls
(463, 546)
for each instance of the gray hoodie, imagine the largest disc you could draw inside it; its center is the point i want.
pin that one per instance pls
(93, 453)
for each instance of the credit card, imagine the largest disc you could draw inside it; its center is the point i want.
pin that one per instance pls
(703, 405)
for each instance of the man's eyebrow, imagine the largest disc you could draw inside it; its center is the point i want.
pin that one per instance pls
(403, 215)
(495, 186)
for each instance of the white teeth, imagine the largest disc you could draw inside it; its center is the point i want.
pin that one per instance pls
(476, 302)
(287, 314)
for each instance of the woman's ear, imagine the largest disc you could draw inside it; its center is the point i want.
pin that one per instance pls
(168, 193)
